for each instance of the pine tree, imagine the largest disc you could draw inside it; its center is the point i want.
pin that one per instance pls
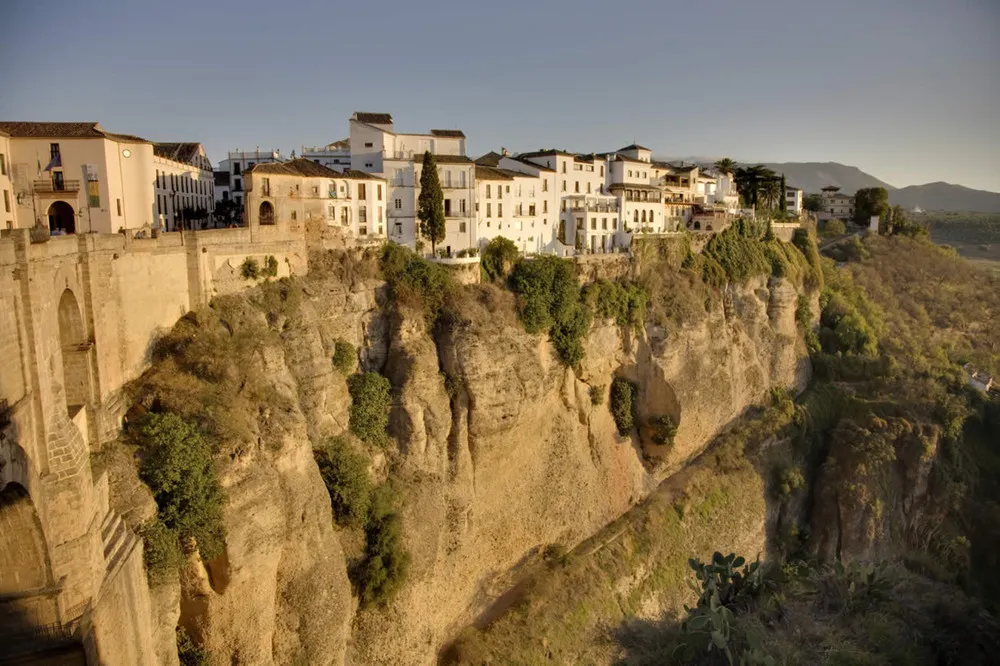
(783, 200)
(430, 204)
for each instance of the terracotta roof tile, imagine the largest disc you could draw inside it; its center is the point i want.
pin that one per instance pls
(85, 130)
(489, 173)
(373, 118)
(444, 159)
(455, 134)
(178, 152)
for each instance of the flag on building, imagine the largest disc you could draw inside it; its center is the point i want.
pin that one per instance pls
(56, 161)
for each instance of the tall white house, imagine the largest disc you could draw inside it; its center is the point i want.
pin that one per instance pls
(377, 148)
(77, 177)
(238, 161)
(836, 204)
(184, 186)
(793, 200)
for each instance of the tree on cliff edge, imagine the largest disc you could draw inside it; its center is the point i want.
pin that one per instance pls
(430, 204)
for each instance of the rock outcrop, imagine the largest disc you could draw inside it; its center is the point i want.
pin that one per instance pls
(501, 451)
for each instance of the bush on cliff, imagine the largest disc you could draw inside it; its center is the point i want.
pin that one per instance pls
(623, 404)
(345, 357)
(345, 474)
(176, 464)
(417, 282)
(498, 258)
(160, 551)
(625, 303)
(371, 394)
(549, 300)
(383, 569)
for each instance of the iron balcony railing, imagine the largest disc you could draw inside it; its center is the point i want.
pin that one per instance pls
(57, 186)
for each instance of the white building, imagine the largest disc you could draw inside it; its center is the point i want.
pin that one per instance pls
(377, 148)
(336, 155)
(793, 200)
(300, 193)
(547, 220)
(509, 203)
(236, 163)
(8, 212)
(184, 186)
(637, 182)
(78, 177)
(836, 205)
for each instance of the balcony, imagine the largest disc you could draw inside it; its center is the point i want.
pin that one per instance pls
(594, 207)
(55, 187)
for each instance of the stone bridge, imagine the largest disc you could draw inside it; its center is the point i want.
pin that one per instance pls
(78, 317)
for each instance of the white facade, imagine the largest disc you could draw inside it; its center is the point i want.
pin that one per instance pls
(301, 192)
(8, 205)
(836, 205)
(76, 177)
(509, 204)
(793, 200)
(183, 186)
(336, 155)
(236, 163)
(377, 148)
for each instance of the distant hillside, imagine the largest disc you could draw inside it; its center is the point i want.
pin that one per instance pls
(814, 176)
(946, 197)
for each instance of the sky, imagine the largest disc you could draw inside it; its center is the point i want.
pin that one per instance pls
(906, 90)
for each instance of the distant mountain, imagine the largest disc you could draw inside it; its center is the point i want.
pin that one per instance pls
(946, 197)
(814, 176)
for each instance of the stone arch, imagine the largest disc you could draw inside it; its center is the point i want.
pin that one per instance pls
(75, 347)
(266, 212)
(61, 216)
(23, 550)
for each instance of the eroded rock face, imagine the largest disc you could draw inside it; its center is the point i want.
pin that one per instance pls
(502, 451)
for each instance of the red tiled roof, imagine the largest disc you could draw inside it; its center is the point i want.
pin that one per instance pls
(85, 130)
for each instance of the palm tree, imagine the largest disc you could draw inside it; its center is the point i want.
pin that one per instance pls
(725, 165)
(770, 192)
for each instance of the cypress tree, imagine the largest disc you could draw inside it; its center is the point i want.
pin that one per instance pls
(430, 204)
(783, 200)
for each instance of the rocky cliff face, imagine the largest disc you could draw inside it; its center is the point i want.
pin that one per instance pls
(501, 451)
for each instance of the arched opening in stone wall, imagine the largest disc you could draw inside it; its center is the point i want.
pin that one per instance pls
(75, 348)
(266, 212)
(22, 548)
(61, 218)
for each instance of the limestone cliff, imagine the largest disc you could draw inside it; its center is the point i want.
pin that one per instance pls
(501, 451)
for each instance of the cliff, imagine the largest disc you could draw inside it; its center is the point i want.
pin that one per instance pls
(499, 449)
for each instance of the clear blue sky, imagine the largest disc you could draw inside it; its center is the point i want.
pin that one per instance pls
(908, 90)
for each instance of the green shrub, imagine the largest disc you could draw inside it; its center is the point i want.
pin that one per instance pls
(345, 474)
(160, 551)
(597, 394)
(250, 269)
(803, 312)
(549, 300)
(623, 404)
(834, 228)
(498, 257)
(383, 568)
(370, 398)
(189, 653)
(176, 464)
(345, 357)
(416, 281)
(806, 244)
(270, 266)
(662, 430)
(739, 252)
(625, 303)
(789, 480)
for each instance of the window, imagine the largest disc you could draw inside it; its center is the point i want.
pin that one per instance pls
(361, 191)
(590, 167)
(461, 205)
(564, 167)
(238, 185)
(564, 186)
(159, 207)
(331, 211)
(602, 172)
(545, 206)
(564, 205)
(398, 204)
(447, 207)
(119, 202)
(604, 223)
(54, 152)
(380, 219)
(6, 200)
(488, 210)
(588, 188)
(362, 215)
(294, 215)
(461, 227)
(378, 196)
(576, 187)
(368, 165)
(636, 216)
(236, 168)
(630, 173)
(531, 210)
(368, 144)
(508, 189)
(499, 210)
(614, 223)
(644, 216)
(225, 195)
(545, 186)
(593, 223)
(265, 187)
(344, 219)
